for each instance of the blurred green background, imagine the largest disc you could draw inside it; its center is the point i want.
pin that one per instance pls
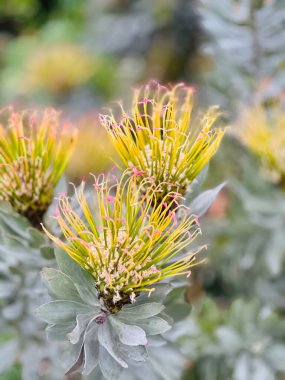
(78, 56)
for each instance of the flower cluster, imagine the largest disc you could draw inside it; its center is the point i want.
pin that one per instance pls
(46, 70)
(34, 151)
(263, 132)
(162, 139)
(128, 246)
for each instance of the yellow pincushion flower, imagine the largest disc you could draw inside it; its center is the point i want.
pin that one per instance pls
(128, 246)
(91, 160)
(59, 68)
(162, 139)
(263, 132)
(34, 151)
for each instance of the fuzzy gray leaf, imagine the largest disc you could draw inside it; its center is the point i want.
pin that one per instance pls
(134, 313)
(59, 312)
(158, 295)
(204, 201)
(81, 279)
(107, 341)
(14, 223)
(91, 349)
(36, 237)
(154, 326)
(82, 321)
(156, 341)
(59, 332)
(128, 334)
(166, 363)
(77, 365)
(137, 354)
(61, 285)
(176, 304)
(275, 356)
(110, 369)
(47, 252)
(229, 339)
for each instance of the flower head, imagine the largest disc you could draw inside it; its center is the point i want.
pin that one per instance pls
(263, 132)
(128, 246)
(161, 140)
(47, 70)
(91, 160)
(34, 151)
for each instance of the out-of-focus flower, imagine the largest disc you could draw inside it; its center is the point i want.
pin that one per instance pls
(34, 151)
(129, 246)
(92, 160)
(161, 139)
(263, 132)
(58, 68)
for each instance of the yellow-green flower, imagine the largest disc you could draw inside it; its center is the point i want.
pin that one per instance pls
(91, 160)
(263, 132)
(58, 68)
(34, 151)
(162, 139)
(128, 246)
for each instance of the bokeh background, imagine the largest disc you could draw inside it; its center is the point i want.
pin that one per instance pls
(80, 56)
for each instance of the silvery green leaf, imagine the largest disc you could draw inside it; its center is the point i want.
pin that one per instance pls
(15, 255)
(176, 305)
(47, 252)
(37, 238)
(166, 363)
(91, 329)
(275, 356)
(61, 285)
(91, 349)
(260, 370)
(8, 354)
(5, 206)
(204, 201)
(154, 325)
(82, 321)
(60, 311)
(77, 365)
(158, 295)
(106, 340)
(166, 317)
(229, 339)
(81, 279)
(128, 334)
(135, 313)
(156, 341)
(136, 354)
(75, 357)
(59, 332)
(14, 223)
(178, 311)
(110, 368)
(17, 251)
